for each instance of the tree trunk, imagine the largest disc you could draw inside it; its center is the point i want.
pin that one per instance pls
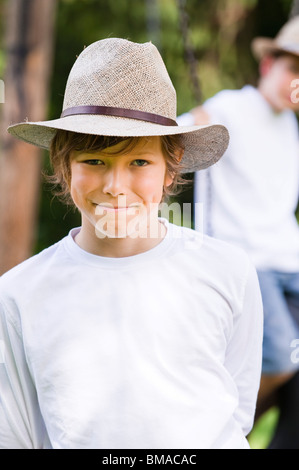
(29, 46)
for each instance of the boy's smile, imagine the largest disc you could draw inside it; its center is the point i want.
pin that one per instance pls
(118, 191)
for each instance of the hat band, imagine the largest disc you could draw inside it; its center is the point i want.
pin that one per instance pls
(119, 112)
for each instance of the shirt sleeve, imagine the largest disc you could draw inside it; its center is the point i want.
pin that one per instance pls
(244, 352)
(21, 423)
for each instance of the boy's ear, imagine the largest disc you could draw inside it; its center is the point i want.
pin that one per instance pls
(266, 64)
(168, 177)
(168, 180)
(180, 154)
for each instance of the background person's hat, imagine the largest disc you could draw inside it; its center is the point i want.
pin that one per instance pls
(287, 40)
(120, 88)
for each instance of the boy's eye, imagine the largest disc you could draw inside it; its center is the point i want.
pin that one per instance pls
(140, 162)
(93, 162)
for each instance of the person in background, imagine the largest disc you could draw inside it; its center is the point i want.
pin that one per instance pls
(250, 198)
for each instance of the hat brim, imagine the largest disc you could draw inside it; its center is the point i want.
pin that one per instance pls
(204, 145)
(262, 46)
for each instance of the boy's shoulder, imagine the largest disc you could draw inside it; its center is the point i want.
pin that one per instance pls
(22, 274)
(210, 248)
(224, 266)
(228, 258)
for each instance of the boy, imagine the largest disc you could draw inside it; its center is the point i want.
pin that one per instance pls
(252, 195)
(130, 332)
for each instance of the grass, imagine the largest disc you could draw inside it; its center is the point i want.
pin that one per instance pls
(263, 430)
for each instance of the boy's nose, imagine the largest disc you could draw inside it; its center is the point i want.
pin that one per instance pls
(115, 182)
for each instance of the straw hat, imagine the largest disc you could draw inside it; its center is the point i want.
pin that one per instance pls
(287, 40)
(120, 88)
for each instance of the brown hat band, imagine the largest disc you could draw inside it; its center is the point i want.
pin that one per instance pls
(119, 112)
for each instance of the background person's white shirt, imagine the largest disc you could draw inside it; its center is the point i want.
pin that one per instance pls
(158, 350)
(250, 195)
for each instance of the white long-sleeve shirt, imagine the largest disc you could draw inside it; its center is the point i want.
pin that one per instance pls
(158, 350)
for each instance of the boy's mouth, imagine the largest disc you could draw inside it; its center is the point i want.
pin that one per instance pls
(115, 208)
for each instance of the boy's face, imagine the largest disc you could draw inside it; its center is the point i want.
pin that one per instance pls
(277, 82)
(118, 192)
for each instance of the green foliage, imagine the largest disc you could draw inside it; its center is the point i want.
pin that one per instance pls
(262, 432)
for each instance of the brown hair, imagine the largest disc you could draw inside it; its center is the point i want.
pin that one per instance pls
(64, 142)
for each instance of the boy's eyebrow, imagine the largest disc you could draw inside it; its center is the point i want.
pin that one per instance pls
(145, 152)
(98, 153)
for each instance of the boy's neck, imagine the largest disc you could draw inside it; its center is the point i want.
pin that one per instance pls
(118, 247)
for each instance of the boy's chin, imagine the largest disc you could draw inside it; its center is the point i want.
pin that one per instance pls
(116, 232)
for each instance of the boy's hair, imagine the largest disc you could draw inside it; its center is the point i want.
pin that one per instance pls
(64, 142)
